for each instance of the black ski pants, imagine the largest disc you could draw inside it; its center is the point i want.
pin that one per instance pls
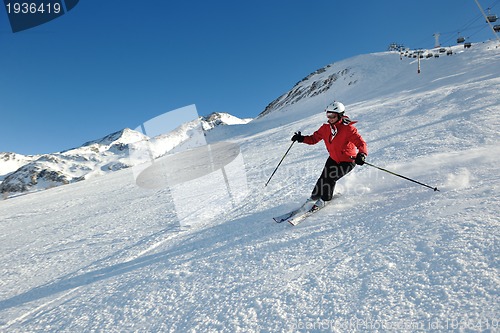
(332, 172)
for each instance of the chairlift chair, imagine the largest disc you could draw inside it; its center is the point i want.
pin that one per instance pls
(491, 18)
(460, 40)
(496, 28)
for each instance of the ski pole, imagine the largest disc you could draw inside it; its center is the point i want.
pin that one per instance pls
(395, 174)
(279, 163)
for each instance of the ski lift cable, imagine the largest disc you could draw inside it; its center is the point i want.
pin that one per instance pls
(463, 28)
(494, 4)
(490, 7)
(487, 20)
(477, 31)
(453, 34)
(472, 21)
(467, 27)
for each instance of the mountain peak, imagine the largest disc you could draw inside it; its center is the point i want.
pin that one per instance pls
(20, 173)
(221, 118)
(10, 162)
(124, 136)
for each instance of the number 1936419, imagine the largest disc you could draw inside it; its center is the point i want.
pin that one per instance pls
(33, 8)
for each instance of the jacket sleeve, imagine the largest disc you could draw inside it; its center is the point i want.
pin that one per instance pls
(358, 141)
(314, 138)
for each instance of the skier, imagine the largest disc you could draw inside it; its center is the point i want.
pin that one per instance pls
(341, 140)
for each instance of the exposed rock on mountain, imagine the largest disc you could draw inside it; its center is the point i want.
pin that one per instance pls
(19, 173)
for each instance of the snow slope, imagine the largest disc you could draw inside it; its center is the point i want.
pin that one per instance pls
(105, 255)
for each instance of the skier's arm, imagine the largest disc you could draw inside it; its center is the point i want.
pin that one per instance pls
(314, 138)
(358, 141)
(309, 139)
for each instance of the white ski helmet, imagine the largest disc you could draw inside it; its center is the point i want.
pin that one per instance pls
(336, 107)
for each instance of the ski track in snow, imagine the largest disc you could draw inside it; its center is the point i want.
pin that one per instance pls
(104, 255)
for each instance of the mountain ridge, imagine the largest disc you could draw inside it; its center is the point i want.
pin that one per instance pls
(96, 157)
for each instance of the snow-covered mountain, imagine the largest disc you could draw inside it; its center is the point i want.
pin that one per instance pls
(92, 158)
(221, 118)
(10, 162)
(114, 141)
(19, 173)
(105, 255)
(369, 76)
(316, 83)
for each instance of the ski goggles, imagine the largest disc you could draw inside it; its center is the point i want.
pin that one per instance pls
(331, 115)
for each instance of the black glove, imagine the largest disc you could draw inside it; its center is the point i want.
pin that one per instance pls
(298, 137)
(360, 159)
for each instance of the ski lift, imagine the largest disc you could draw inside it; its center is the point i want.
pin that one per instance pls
(496, 28)
(491, 17)
(460, 39)
(467, 45)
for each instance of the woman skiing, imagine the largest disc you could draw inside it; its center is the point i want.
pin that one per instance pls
(345, 146)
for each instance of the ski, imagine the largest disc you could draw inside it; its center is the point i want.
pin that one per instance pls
(304, 208)
(298, 215)
(298, 218)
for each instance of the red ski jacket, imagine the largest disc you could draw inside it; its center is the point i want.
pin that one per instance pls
(341, 140)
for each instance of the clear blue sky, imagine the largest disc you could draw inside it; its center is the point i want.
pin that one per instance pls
(107, 65)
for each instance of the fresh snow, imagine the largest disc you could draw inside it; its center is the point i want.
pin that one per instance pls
(105, 255)
(10, 162)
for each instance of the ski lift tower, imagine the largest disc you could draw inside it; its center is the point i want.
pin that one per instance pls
(436, 39)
